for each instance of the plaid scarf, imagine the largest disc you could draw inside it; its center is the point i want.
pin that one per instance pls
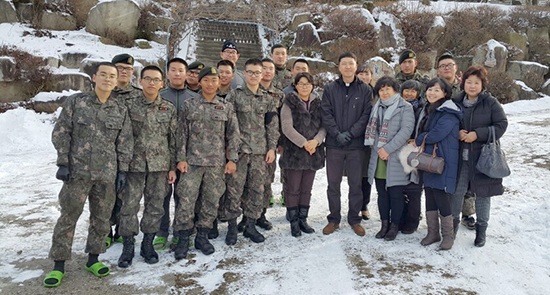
(387, 107)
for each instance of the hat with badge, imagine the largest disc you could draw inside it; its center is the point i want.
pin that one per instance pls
(208, 71)
(228, 44)
(196, 65)
(123, 58)
(406, 55)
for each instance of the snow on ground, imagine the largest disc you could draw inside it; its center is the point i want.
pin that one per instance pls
(515, 259)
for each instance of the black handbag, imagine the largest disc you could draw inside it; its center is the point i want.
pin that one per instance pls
(426, 162)
(492, 161)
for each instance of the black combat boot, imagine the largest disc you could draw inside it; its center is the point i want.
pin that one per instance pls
(183, 244)
(263, 222)
(202, 243)
(302, 214)
(480, 235)
(294, 222)
(242, 224)
(147, 250)
(231, 238)
(251, 232)
(214, 233)
(392, 232)
(127, 255)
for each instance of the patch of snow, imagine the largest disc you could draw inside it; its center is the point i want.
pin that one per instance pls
(188, 44)
(547, 83)
(52, 96)
(298, 14)
(391, 21)
(315, 33)
(531, 63)
(438, 22)
(523, 86)
(527, 106)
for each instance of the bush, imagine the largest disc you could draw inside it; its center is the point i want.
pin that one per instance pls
(28, 69)
(529, 17)
(502, 87)
(146, 23)
(415, 27)
(116, 37)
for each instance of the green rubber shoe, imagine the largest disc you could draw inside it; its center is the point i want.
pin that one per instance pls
(271, 201)
(98, 269)
(282, 199)
(108, 242)
(160, 243)
(53, 279)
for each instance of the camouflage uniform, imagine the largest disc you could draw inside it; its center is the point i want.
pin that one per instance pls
(209, 133)
(257, 138)
(277, 96)
(283, 78)
(154, 125)
(94, 140)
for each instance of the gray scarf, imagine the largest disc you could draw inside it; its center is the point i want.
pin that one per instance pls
(387, 107)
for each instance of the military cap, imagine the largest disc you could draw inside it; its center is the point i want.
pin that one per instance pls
(123, 58)
(406, 55)
(445, 55)
(196, 65)
(208, 71)
(229, 44)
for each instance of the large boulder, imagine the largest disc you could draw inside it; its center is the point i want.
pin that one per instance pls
(316, 66)
(493, 55)
(7, 12)
(390, 34)
(520, 41)
(436, 31)
(7, 68)
(380, 68)
(72, 60)
(306, 36)
(81, 8)
(57, 21)
(109, 19)
(426, 60)
(15, 91)
(330, 50)
(531, 73)
(525, 92)
(299, 19)
(66, 81)
(24, 11)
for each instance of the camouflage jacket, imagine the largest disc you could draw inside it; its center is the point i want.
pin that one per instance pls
(416, 76)
(276, 94)
(178, 97)
(209, 132)
(252, 110)
(91, 137)
(129, 92)
(154, 125)
(283, 78)
(455, 93)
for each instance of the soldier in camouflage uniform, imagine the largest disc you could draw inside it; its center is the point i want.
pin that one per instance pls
(283, 77)
(408, 64)
(226, 70)
(259, 126)
(230, 52)
(177, 94)
(152, 168)
(192, 80)
(447, 69)
(123, 90)
(208, 147)
(93, 139)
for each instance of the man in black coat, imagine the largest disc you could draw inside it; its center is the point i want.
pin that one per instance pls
(346, 107)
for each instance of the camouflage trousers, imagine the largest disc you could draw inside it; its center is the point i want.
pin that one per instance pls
(72, 198)
(210, 182)
(245, 187)
(153, 187)
(270, 178)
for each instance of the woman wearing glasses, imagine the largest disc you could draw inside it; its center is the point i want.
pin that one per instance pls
(303, 150)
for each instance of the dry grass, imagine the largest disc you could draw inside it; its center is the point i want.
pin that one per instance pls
(28, 68)
(502, 87)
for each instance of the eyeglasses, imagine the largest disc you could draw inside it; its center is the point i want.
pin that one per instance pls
(230, 52)
(252, 73)
(125, 69)
(303, 84)
(149, 80)
(193, 73)
(447, 66)
(107, 77)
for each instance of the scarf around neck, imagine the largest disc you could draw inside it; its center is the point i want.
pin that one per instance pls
(390, 106)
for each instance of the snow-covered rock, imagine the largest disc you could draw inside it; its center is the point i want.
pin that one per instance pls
(119, 17)
(7, 68)
(72, 60)
(436, 31)
(69, 80)
(306, 36)
(546, 87)
(299, 19)
(7, 12)
(390, 34)
(525, 92)
(57, 21)
(380, 68)
(532, 73)
(492, 55)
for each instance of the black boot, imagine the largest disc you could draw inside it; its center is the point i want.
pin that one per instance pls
(392, 232)
(183, 244)
(480, 235)
(385, 226)
(231, 238)
(302, 215)
(293, 214)
(127, 255)
(214, 233)
(251, 232)
(263, 222)
(242, 224)
(202, 243)
(456, 225)
(147, 250)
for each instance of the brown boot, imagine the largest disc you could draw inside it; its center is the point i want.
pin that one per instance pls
(358, 229)
(330, 228)
(432, 220)
(447, 232)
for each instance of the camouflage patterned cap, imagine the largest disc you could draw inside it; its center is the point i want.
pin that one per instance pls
(123, 58)
(208, 71)
(406, 55)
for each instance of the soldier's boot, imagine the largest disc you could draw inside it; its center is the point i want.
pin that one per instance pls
(480, 235)
(302, 215)
(294, 221)
(251, 232)
(214, 232)
(202, 243)
(127, 255)
(456, 225)
(148, 250)
(263, 222)
(383, 230)
(232, 232)
(447, 231)
(242, 224)
(432, 220)
(183, 244)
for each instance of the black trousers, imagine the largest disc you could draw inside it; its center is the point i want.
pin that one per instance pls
(411, 211)
(336, 160)
(437, 199)
(390, 201)
(165, 221)
(298, 187)
(366, 188)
